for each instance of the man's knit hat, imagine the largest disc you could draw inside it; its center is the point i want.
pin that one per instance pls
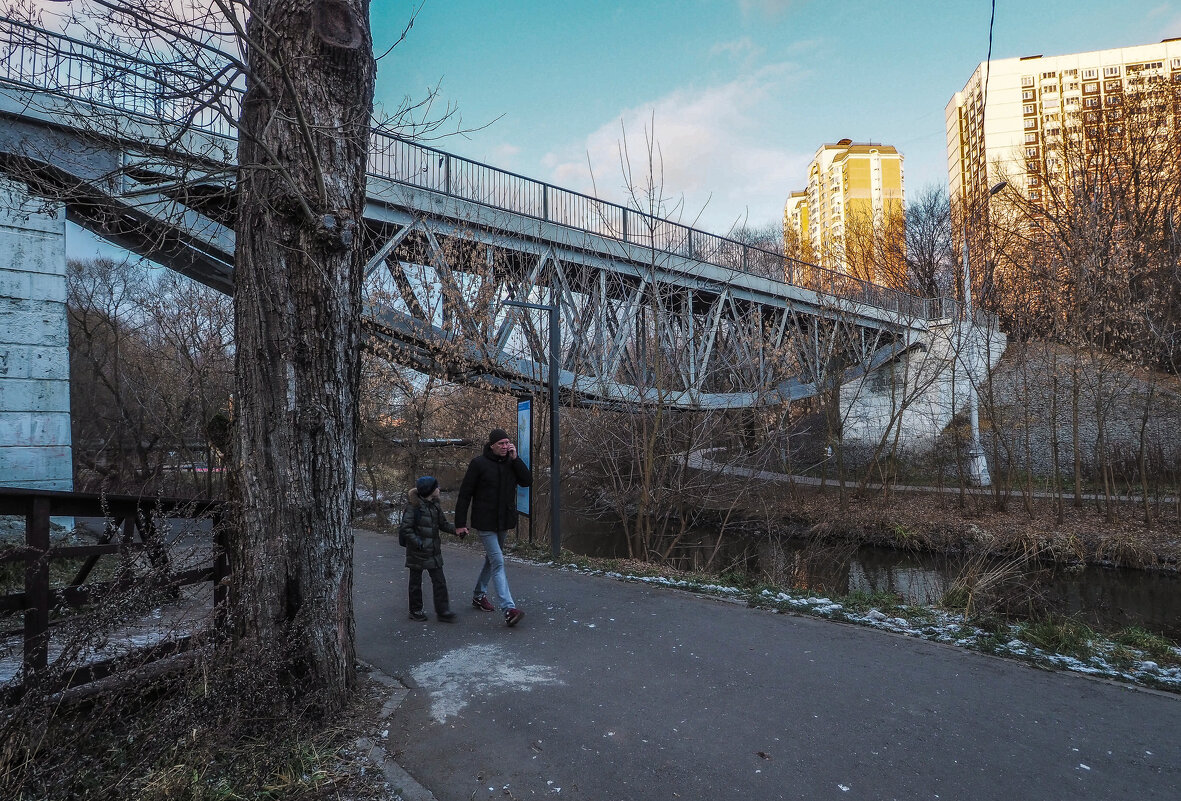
(497, 435)
(425, 486)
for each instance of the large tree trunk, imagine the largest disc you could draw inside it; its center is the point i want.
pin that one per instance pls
(303, 143)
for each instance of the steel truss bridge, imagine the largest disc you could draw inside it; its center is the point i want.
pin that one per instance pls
(143, 153)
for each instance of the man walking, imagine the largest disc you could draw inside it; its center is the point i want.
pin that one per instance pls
(490, 488)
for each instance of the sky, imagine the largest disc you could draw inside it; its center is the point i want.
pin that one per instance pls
(739, 93)
(736, 94)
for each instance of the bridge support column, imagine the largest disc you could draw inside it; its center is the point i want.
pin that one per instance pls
(917, 396)
(34, 337)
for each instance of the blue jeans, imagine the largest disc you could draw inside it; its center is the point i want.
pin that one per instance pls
(493, 542)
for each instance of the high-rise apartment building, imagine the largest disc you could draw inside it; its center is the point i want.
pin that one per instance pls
(1013, 128)
(795, 227)
(852, 187)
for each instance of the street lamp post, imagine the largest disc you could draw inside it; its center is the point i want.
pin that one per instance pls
(555, 363)
(978, 474)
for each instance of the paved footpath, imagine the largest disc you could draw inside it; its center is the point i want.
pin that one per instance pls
(610, 690)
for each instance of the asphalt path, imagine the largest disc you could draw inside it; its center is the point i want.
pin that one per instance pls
(619, 690)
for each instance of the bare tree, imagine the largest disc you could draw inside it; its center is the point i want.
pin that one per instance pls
(294, 81)
(303, 142)
(151, 362)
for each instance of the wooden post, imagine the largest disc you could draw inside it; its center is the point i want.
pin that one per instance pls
(221, 573)
(36, 653)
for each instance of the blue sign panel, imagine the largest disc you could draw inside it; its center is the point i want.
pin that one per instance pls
(524, 449)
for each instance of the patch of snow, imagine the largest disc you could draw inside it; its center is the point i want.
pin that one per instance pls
(476, 670)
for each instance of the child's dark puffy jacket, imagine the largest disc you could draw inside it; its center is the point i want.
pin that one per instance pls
(422, 521)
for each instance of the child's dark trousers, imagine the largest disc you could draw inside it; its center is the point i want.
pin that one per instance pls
(438, 587)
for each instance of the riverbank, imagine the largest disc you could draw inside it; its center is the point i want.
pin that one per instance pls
(1028, 528)
(1133, 655)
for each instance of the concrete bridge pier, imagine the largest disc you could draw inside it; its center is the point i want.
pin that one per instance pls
(917, 396)
(34, 338)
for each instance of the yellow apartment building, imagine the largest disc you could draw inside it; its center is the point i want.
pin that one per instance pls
(853, 187)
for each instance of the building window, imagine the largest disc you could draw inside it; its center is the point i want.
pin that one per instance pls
(1176, 63)
(1027, 80)
(1110, 72)
(1030, 124)
(1091, 102)
(1049, 89)
(1089, 74)
(1029, 108)
(1032, 181)
(1046, 75)
(1031, 152)
(1029, 94)
(1030, 138)
(1090, 88)
(1111, 86)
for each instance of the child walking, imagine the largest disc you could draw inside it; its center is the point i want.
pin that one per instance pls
(422, 523)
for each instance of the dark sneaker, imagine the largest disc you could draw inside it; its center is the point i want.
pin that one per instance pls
(447, 617)
(513, 616)
(419, 616)
(483, 603)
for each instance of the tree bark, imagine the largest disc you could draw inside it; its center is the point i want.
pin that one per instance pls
(303, 145)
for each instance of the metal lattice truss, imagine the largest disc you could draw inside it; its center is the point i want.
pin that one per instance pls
(632, 332)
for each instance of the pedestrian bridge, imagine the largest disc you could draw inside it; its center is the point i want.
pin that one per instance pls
(143, 154)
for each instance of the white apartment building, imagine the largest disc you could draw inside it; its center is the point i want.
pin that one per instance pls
(1003, 129)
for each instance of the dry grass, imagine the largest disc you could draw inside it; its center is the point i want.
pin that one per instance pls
(935, 523)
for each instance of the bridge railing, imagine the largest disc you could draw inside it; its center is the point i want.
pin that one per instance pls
(164, 89)
(170, 92)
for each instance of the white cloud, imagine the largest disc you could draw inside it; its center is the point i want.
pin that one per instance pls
(712, 144)
(738, 49)
(771, 8)
(505, 153)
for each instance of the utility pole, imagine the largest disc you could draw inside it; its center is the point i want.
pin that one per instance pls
(555, 457)
(978, 474)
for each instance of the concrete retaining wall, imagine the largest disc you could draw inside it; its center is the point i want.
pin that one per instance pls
(34, 340)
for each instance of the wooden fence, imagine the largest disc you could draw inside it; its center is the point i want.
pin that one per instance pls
(130, 525)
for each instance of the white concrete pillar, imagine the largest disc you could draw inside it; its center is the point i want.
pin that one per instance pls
(922, 391)
(34, 338)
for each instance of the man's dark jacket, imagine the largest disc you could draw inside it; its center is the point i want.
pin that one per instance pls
(490, 486)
